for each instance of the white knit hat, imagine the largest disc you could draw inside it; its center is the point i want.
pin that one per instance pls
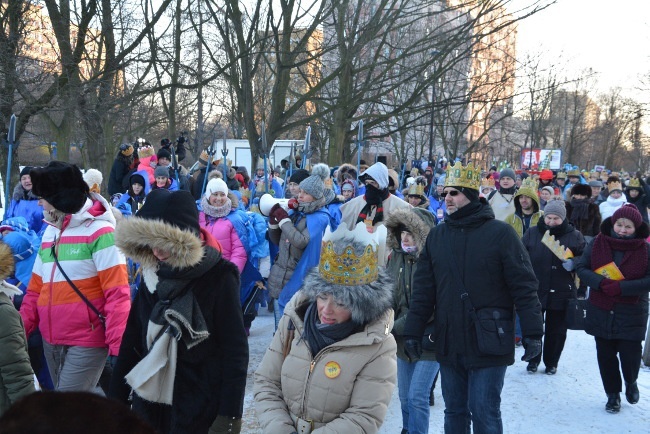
(215, 185)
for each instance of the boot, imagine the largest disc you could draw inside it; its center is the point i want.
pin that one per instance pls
(632, 392)
(551, 370)
(532, 367)
(613, 402)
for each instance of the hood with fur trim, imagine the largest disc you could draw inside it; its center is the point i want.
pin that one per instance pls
(346, 168)
(366, 302)
(7, 264)
(137, 237)
(417, 221)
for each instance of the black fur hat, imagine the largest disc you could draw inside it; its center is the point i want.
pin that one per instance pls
(177, 208)
(61, 184)
(583, 189)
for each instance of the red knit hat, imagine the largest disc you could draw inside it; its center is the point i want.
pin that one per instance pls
(630, 212)
(546, 174)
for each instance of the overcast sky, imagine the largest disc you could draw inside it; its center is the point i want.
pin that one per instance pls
(612, 37)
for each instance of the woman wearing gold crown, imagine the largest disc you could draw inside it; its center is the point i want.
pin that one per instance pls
(331, 365)
(614, 201)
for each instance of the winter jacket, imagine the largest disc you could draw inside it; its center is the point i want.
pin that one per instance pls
(556, 285)
(500, 277)
(642, 201)
(517, 222)
(589, 227)
(610, 206)
(16, 375)
(211, 376)
(292, 240)
(402, 265)
(145, 166)
(503, 204)
(352, 399)
(624, 321)
(118, 179)
(223, 231)
(25, 204)
(88, 255)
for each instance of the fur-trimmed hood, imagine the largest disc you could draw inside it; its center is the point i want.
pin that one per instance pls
(137, 237)
(366, 302)
(417, 221)
(7, 264)
(19, 193)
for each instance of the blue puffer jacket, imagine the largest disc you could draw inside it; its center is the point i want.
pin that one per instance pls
(25, 204)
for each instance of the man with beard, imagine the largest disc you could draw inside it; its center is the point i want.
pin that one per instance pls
(375, 205)
(527, 211)
(582, 213)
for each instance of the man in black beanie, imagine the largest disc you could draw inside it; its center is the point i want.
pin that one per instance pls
(296, 178)
(459, 262)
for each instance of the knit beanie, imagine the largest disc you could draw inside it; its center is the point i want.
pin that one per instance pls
(313, 185)
(161, 171)
(550, 190)
(164, 153)
(347, 185)
(507, 172)
(136, 178)
(630, 212)
(177, 208)
(556, 207)
(298, 176)
(25, 171)
(61, 184)
(215, 185)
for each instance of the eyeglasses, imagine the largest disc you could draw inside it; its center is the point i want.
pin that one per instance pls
(451, 193)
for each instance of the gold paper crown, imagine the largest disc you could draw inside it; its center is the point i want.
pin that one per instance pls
(459, 176)
(487, 182)
(563, 253)
(614, 185)
(528, 187)
(574, 172)
(146, 151)
(416, 190)
(339, 263)
(634, 183)
(561, 175)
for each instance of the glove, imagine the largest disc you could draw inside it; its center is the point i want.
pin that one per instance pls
(225, 424)
(278, 215)
(413, 349)
(532, 347)
(610, 287)
(568, 265)
(272, 220)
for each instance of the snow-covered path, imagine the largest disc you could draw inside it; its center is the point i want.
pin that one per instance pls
(572, 401)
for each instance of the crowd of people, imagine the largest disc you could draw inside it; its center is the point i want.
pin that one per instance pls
(376, 281)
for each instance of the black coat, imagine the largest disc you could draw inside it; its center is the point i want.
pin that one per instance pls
(624, 321)
(211, 377)
(556, 285)
(119, 172)
(496, 272)
(589, 227)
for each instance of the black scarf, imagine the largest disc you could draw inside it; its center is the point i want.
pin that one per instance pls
(580, 209)
(319, 336)
(556, 231)
(373, 197)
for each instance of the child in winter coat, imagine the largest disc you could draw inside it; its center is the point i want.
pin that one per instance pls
(133, 199)
(24, 203)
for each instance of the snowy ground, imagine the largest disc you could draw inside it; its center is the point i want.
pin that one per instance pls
(572, 401)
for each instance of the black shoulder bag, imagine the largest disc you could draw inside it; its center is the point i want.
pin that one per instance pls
(102, 318)
(495, 331)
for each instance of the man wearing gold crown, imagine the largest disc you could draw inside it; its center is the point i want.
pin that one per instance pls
(472, 289)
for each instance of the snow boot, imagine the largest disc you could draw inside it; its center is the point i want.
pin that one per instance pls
(532, 367)
(613, 402)
(632, 392)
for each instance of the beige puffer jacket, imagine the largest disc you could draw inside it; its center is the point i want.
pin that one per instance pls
(346, 388)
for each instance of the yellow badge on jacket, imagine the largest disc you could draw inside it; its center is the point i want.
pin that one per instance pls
(332, 370)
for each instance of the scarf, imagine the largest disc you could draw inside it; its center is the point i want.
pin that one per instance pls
(175, 317)
(580, 209)
(633, 266)
(556, 231)
(373, 197)
(465, 211)
(54, 217)
(215, 212)
(319, 336)
(409, 249)
(310, 207)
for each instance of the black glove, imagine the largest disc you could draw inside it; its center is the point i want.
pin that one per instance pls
(413, 349)
(533, 348)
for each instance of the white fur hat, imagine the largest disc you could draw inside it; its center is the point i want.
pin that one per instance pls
(93, 178)
(215, 185)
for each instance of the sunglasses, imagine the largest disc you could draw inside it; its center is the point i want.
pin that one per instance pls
(451, 193)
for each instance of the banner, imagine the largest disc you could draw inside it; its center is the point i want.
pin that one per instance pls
(548, 158)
